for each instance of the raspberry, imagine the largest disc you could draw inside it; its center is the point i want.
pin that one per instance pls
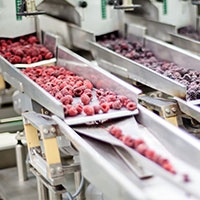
(67, 91)
(85, 99)
(141, 148)
(65, 110)
(110, 98)
(88, 110)
(126, 102)
(17, 59)
(59, 95)
(128, 141)
(40, 57)
(69, 106)
(32, 39)
(131, 106)
(138, 142)
(96, 109)
(99, 93)
(79, 107)
(105, 107)
(34, 59)
(78, 91)
(34, 52)
(167, 166)
(72, 111)
(115, 131)
(49, 55)
(102, 100)
(79, 83)
(149, 154)
(68, 99)
(88, 92)
(116, 105)
(121, 138)
(186, 178)
(88, 84)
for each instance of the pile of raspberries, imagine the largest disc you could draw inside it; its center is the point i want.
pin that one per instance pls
(24, 50)
(65, 85)
(141, 147)
(138, 53)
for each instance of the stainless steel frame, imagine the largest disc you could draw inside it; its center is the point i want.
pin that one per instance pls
(127, 68)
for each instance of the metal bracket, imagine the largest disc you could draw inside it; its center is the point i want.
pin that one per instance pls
(48, 131)
(56, 170)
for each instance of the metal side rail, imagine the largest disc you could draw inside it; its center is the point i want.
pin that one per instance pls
(99, 158)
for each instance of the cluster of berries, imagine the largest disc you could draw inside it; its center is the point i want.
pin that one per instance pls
(135, 51)
(25, 49)
(65, 85)
(141, 147)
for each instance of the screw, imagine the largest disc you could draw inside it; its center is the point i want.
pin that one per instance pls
(52, 171)
(53, 130)
(45, 131)
(59, 170)
(21, 133)
(173, 109)
(167, 110)
(46, 112)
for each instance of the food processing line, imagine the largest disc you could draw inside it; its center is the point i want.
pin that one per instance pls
(101, 161)
(118, 171)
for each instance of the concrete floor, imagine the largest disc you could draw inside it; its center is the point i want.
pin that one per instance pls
(11, 189)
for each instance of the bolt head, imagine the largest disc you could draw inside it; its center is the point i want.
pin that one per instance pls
(53, 130)
(167, 110)
(173, 109)
(59, 170)
(52, 171)
(45, 131)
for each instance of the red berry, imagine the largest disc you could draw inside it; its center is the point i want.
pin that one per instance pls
(131, 106)
(128, 141)
(49, 55)
(85, 99)
(167, 166)
(34, 59)
(138, 142)
(79, 107)
(186, 178)
(88, 110)
(111, 98)
(96, 109)
(115, 131)
(141, 148)
(105, 107)
(149, 154)
(68, 99)
(59, 95)
(79, 83)
(72, 111)
(117, 105)
(88, 84)
(78, 91)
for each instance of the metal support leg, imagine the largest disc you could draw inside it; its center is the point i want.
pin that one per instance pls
(21, 162)
(77, 179)
(42, 190)
(54, 196)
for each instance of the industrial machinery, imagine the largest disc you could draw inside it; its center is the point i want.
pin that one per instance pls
(110, 159)
(129, 69)
(60, 145)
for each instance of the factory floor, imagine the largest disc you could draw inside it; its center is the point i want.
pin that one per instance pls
(11, 189)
